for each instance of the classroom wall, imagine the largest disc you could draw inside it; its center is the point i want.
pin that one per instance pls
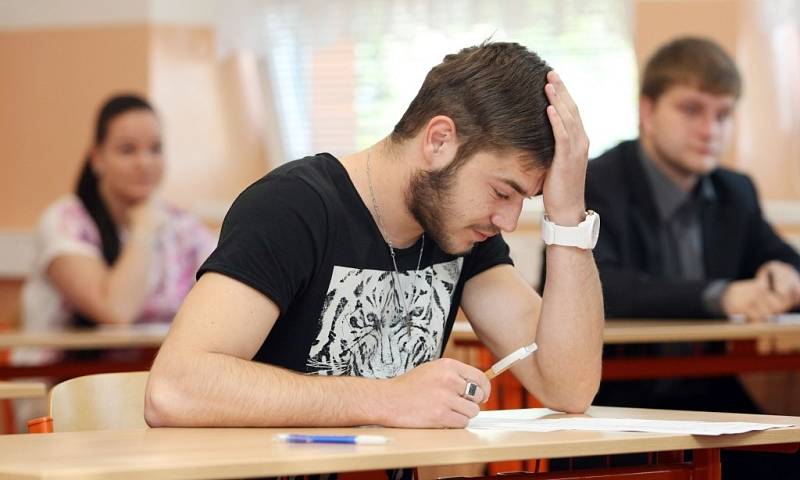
(769, 112)
(52, 81)
(212, 115)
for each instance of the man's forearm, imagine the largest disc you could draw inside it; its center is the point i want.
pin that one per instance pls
(571, 328)
(212, 389)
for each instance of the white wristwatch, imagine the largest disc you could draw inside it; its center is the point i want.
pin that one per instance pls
(584, 235)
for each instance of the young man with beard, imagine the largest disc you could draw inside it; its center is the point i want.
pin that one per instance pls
(336, 282)
(683, 237)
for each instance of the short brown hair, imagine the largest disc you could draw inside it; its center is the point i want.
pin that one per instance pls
(693, 61)
(494, 93)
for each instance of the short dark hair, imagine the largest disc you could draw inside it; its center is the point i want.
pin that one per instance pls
(494, 93)
(691, 61)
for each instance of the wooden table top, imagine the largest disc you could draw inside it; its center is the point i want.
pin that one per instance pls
(654, 330)
(248, 452)
(10, 390)
(136, 336)
(616, 331)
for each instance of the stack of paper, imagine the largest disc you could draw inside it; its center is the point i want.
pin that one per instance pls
(511, 422)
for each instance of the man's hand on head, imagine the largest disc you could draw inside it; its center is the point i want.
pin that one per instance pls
(564, 186)
(435, 395)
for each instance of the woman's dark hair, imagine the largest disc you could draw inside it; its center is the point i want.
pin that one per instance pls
(87, 187)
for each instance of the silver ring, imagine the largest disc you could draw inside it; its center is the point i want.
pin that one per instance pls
(470, 390)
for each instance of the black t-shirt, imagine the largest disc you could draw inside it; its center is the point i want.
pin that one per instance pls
(303, 237)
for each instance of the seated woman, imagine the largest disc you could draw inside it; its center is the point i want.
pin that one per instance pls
(113, 252)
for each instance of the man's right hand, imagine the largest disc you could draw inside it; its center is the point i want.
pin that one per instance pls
(753, 299)
(783, 279)
(431, 395)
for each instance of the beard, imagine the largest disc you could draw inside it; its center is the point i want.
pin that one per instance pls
(429, 199)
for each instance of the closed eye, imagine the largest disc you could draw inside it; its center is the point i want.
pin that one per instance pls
(501, 195)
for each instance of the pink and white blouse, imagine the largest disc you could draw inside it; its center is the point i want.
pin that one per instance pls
(66, 228)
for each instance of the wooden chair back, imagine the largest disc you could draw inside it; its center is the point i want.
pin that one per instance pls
(104, 401)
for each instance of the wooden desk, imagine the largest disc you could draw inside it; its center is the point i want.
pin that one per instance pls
(655, 331)
(251, 452)
(616, 332)
(146, 339)
(744, 357)
(9, 390)
(150, 337)
(652, 331)
(144, 336)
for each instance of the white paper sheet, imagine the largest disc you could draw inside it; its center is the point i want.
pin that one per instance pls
(787, 319)
(782, 319)
(533, 423)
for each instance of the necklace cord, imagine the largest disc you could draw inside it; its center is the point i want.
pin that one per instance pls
(385, 234)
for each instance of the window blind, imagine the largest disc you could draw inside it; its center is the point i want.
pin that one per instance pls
(343, 72)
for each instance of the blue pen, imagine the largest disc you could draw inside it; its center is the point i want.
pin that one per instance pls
(347, 439)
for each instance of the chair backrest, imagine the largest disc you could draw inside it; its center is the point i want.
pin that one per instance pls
(104, 401)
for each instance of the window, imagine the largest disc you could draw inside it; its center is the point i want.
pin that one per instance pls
(343, 72)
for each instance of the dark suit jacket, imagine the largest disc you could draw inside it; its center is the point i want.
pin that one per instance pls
(736, 238)
(736, 241)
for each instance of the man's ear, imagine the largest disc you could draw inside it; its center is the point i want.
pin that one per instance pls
(646, 108)
(439, 142)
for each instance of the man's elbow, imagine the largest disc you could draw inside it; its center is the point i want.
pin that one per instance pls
(162, 404)
(577, 399)
(572, 405)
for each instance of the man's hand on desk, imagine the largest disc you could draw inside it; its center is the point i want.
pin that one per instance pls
(432, 396)
(760, 298)
(783, 280)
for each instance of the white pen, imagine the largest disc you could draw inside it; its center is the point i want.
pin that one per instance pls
(509, 360)
(347, 439)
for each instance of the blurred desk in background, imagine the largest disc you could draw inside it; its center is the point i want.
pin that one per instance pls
(142, 340)
(752, 347)
(135, 336)
(9, 390)
(618, 331)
